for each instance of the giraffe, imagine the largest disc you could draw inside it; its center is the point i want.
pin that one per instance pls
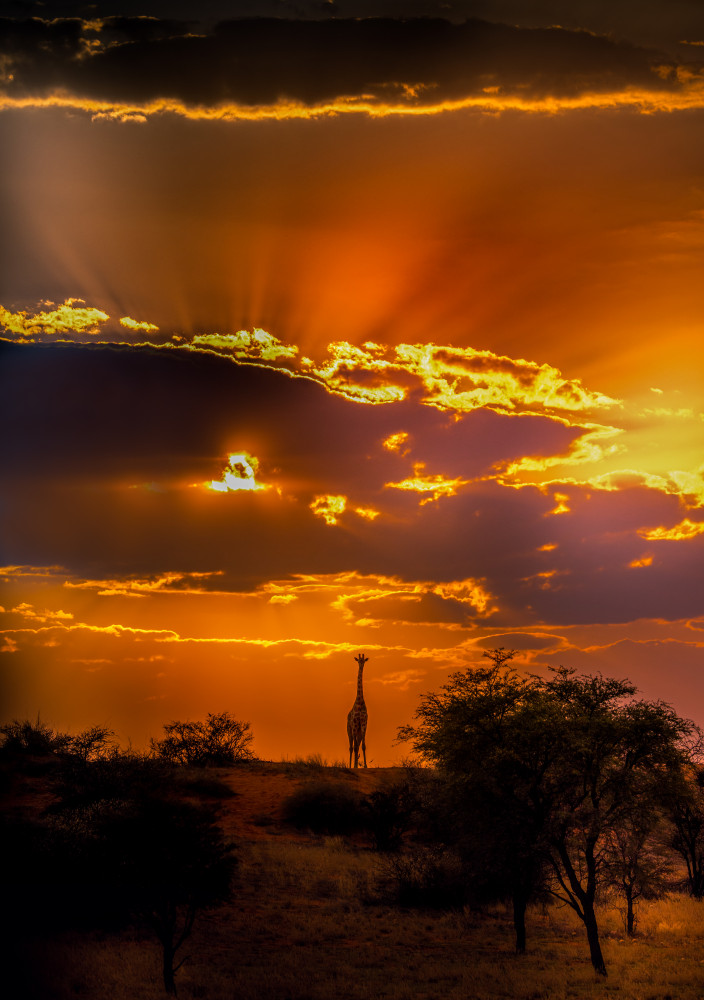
(357, 718)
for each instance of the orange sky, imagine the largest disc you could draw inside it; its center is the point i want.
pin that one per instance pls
(447, 316)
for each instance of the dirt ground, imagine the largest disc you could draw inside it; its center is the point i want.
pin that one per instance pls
(255, 812)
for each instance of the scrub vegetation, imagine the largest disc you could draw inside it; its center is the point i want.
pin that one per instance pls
(135, 875)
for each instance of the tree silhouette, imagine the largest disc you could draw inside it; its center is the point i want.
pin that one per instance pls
(170, 861)
(687, 815)
(554, 766)
(217, 742)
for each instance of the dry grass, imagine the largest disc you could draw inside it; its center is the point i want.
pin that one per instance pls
(305, 925)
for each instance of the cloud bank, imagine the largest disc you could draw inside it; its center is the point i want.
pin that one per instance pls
(121, 66)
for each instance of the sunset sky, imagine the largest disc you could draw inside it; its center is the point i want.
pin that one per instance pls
(332, 327)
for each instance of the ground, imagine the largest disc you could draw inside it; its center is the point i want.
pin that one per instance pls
(308, 921)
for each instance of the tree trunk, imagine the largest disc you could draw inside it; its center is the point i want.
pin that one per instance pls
(630, 916)
(593, 938)
(168, 968)
(519, 922)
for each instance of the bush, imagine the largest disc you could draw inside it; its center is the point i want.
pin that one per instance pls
(37, 748)
(121, 777)
(425, 877)
(329, 807)
(219, 741)
(389, 814)
(202, 786)
(32, 739)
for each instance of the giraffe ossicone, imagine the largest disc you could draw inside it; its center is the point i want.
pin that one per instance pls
(357, 718)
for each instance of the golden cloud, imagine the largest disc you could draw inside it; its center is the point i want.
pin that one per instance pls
(683, 531)
(329, 506)
(562, 505)
(368, 513)
(689, 486)
(435, 486)
(133, 324)
(449, 378)
(72, 316)
(255, 346)
(30, 613)
(164, 583)
(396, 442)
(688, 96)
(367, 590)
(641, 563)
(593, 446)
(283, 598)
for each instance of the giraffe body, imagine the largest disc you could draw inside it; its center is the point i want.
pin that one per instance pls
(357, 719)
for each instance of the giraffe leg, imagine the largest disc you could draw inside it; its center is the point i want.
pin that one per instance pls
(364, 750)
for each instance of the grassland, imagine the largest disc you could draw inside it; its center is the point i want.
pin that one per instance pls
(308, 921)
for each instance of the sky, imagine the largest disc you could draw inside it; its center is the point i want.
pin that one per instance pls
(340, 327)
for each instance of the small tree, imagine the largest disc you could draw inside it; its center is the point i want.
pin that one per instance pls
(686, 813)
(170, 861)
(219, 741)
(635, 860)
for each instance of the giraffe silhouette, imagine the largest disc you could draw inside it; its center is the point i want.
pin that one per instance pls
(357, 718)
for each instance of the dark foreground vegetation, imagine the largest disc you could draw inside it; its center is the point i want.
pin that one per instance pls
(549, 797)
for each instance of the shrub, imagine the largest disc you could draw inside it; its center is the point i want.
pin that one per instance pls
(36, 747)
(330, 807)
(202, 786)
(121, 777)
(425, 877)
(27, 738)
(389, 813)
(219, 741)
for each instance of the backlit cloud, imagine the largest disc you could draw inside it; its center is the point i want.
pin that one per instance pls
(374, 65)
(171, 582)
(72, 316)
(329, 507)
(449, 378)
(255, 346)
(432, 486)
(133, 324)
(683, 531)
(239, 474)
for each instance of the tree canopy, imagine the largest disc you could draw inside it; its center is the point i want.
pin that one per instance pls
(555, 765)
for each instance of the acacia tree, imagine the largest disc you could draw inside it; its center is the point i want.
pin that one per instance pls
(170, 861)
(637, 864)
(486, 730)
(558, 762)
(219, 741)
(611, 746)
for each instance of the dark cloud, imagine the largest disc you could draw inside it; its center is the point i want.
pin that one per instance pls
(108, 441)
(643, 21)
(260, 61)
(103, 411)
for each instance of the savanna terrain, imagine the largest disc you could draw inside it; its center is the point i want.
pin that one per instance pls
(311, 918)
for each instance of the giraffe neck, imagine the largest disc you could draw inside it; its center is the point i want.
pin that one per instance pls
(360, 692)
